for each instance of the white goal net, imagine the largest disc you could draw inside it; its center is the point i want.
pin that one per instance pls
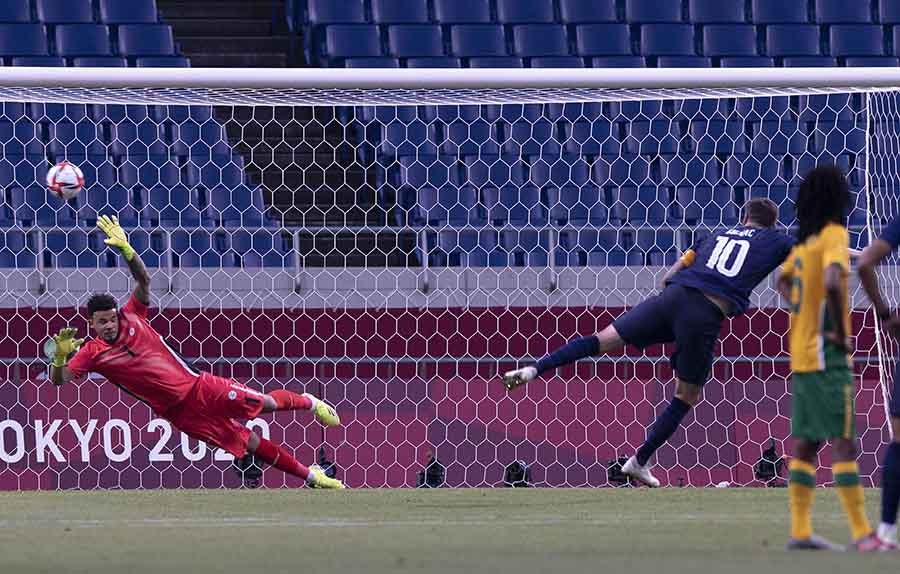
(393, 249)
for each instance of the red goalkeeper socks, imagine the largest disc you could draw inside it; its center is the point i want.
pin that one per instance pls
(271, 453)
(289, 401)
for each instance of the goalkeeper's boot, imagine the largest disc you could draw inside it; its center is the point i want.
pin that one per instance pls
(324, 412)
(813, 543)
(640, 473)
(513, 379)
(869, 543)
(318, 479)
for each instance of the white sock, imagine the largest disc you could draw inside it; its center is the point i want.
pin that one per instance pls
(887, 532)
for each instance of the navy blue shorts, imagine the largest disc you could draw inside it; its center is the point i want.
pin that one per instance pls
(895, 392)
(682, 315)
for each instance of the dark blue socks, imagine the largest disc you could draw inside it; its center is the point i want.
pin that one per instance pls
(577, 349)
(890, 484)
(665, 426)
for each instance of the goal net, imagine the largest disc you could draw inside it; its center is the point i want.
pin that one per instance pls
(392, 244)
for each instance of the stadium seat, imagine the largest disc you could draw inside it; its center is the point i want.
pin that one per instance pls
(842, 12)
(810, 62)
(667, 40)
(112, 62)
(587, 11)
(856, 40)
(534, 40)
(618, 62)
(15, 11)
(729, 40)
(407, 41)
(602, 40)
(163, 62)
(371, 63)
(644, 11)
(39, 61)
(399, 12)
(496, 62)
(352, 41)
(331, 12)
(683, 62)
(130, 12)
(446, 62)
(64, 11)
(23, 40)
(878, 62)
(751, 62)
(478, 41)
(462, 11)
(779, 12)
(177, 206)
(239, 206)
(146, 40)
(716, 11)
(524, 11)
(889, 12)
(82, 40)
(792, 40)
(557, 62)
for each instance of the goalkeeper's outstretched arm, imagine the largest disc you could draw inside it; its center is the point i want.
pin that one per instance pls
(117, 239)
(64, 344)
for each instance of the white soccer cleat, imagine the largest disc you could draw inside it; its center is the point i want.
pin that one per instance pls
(887, 533)
(640, 473)
(513, 379)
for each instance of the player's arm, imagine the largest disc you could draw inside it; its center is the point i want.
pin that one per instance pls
(834, 299)
(686, 260)
(871, 258)
(64, 344)
(117, 239)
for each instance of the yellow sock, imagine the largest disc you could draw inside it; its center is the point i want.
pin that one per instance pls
(846, 479)
(800, 491)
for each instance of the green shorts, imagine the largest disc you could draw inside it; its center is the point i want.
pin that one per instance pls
(823, 405)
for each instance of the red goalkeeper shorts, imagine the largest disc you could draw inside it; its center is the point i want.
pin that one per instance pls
(209, 411)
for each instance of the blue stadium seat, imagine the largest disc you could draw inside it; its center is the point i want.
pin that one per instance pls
(64, 11)
(150, 245)
(240, 206)
(177, 206)
(557, 62)
(856, 40)
(642, 11)
(146, 40)
(587, 11)
(39, 61)
(82, 40)
(66, 249)
(602, 40)
(193, 249)
(555, 172)
(792, 40)
(779, 12)
(17, 249)
(399, 11)
(577, 206)
(588, 247)
(15, 11)
(445, 62)
(478, 41)
(50, 211)
(716, 11)
(496, 62)
(526, 247)
(810, 62)
(462, 11)
(468, 137)
(618, 62)
(524, 11)
(729, 40)
(415, 41)
(667, 40)
(889, 12)
(778, 138)
(532, 40)
(331, 12)
(131, 12)
(751, 62)
(371, 63)
(113, 62)
(878, 62)
(352, 41)
(23, 40)
(842, 12)
(163, 62)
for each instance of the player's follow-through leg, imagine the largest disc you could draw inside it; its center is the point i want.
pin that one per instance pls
(284, 400)
(890, 485)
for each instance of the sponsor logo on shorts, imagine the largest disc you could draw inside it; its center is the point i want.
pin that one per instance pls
(232, 395)
(131, 332)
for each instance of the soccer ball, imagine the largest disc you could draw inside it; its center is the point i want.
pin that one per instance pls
(65, 180)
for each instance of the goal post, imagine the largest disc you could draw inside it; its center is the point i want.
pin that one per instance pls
(392, 239)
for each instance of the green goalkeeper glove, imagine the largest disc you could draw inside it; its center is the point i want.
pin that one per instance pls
(115, 235)
(64, 344)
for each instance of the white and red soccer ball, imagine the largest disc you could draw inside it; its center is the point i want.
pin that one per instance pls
(65, 180)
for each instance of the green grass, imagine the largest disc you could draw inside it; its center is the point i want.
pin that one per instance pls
(670, 531)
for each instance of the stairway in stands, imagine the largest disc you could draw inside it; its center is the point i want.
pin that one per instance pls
(304, 157)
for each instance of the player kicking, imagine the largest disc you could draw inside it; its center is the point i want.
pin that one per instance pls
(814, 280)
(696, 299)
(871, 258)
(129, 353)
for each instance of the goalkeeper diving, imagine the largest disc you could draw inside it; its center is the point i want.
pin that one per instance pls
(130, 354)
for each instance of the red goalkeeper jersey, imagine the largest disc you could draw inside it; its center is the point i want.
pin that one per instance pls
(139, 362)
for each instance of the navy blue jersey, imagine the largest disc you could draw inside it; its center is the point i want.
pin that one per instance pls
(732, 262)
(891, 233)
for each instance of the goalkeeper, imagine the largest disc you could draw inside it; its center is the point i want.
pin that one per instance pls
(129, 353)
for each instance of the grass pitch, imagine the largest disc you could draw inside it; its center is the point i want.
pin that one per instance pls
(668, 531)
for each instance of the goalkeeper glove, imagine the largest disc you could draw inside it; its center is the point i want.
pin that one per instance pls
(115, 235)
(65, 344)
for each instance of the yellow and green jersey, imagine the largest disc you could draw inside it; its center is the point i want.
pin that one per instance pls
(810, 320)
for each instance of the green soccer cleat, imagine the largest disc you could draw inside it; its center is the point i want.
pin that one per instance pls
(324, 412)
(317, 479)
